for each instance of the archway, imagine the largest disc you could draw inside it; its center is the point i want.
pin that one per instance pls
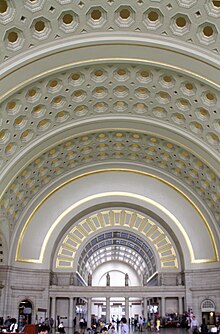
(208, 312)
(24, 314)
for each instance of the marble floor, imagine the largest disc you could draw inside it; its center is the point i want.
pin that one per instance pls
(162, 331)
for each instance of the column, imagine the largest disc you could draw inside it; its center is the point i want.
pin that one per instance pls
(107, 309)
(127, 309)
(148, 308)
(74, 314)
(163, 306)
(159, 306)
(74, 307)
(70, 312)
(53, 309)
(180, 305)
(99, 311)
(89, 311)
(145, 308)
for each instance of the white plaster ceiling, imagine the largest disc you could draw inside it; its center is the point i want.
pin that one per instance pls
(87, 86)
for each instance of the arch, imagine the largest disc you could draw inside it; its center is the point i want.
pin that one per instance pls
(25, 313)
(207, 305)
(86, 194)
(125, 92)
(126, 222)
(120, 246)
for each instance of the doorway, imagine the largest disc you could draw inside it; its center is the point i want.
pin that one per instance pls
(24, 314)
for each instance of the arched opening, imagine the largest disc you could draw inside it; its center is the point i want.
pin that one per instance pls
(208, 312)
(24, 314)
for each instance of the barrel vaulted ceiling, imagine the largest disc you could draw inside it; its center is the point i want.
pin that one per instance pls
(97, 85)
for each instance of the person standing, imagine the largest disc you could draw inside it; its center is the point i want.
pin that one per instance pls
(124, 326)
(135, 324)
(194, 326)
(158, 324)
(140, 323)
(81, 324)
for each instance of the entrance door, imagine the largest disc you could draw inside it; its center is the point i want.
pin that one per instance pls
(208, 318)
(208, 312)
(24, 314)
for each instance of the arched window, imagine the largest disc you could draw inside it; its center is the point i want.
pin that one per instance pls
(207, 306)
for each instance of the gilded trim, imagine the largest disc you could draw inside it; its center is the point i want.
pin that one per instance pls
(104, 60)
(178, 224)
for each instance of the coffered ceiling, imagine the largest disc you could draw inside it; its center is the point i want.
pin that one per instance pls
(89, 85)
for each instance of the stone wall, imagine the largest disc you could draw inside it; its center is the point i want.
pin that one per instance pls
(22, 284)
(201, 285)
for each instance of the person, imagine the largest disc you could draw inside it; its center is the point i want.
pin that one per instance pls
(204, 327)
(113, 330)
(124, 326)
(51, 321)
(140, 323)
(61, 328)
(187, 323)
(13, 327)
(135, 324)
(118, 323)
(90, 330)
(42, 329)
(81, 324)
(109, 328)
(158, 324)
(47, 322)
(214, 329)
(194, 326)
(7, 322)
(100, 323)
(152, 325)
(148, 324)
(104, 330)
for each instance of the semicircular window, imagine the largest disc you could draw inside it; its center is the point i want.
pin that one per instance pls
(118, 246)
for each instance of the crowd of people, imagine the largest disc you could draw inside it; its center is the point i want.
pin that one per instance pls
(120, 326)
(137, 324)
(101, 328)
